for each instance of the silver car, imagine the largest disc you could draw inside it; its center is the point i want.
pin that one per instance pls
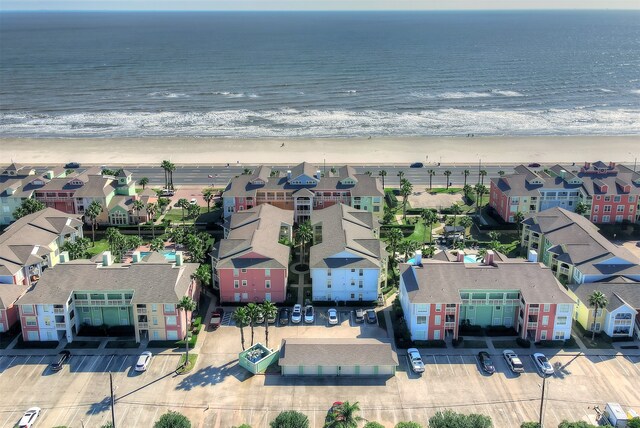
(143, 361)
(296, 314)
(309, 314)
(543, 363)
(332, 314)
(415, 360)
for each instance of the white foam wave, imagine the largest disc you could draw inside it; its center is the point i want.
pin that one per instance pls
(605, 90)
(228, 94)
(507, 93)
(167, 95)
(350, 91)
(635, 91)
(325, 123)
(457, 95)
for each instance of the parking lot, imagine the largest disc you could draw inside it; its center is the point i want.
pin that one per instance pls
(220, 394)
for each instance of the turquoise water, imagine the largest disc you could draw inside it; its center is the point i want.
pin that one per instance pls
(169, 255)
(470, 258)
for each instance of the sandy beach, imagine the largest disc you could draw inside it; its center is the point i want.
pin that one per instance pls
(400, 150)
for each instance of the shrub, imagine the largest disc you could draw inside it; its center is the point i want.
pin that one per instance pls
(449, 418)
(500, 330)
(408, 425)
(430, 343)
(471, 330)
(243, 426)
(172, 420)
(290, 419)
(523, 343)
(457, 342)
(530, 425)
(373, 425)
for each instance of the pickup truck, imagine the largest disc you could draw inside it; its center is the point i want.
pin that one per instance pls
(513, 361)
(216, 318)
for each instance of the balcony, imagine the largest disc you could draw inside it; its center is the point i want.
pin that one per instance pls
(564, 271)
(61, 325)
(143, 325)
(450, 311)
(532, 325)
(534, 311)
(58, 310)
(89, 302)
(141, 311)
(449, 325)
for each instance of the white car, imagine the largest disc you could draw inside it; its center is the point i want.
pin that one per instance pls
(513, 361)
(309, 315)
(333, 316)
(29, 417)
(296, 314)
(415, 360)
(193, 201)
(543, 363)
(143, 361)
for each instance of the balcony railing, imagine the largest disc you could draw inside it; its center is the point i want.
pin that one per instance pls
(450, 311)
(534, 311)
(143, 325)
(141, 311)
(61, 325)
(58, 310)
(89, 302)
(564, 270)
(532, 325)
(449, 325)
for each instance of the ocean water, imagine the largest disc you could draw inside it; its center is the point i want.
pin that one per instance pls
(319, 74)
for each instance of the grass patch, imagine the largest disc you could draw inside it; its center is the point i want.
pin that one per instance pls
(382, 322)
(98, 247)
(181, 368)
(35, 344)
(445, 190)
(122, 344)
(505, 344)
(474, 344)
(558, 344)
(420, 233)
(600, 342)
(193, 338)
(83, 344)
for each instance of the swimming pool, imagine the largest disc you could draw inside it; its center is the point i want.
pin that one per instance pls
(168, 254)
(471, 258)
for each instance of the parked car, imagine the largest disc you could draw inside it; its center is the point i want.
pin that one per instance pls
(359, 315)
(29, 417)
(296, 314)
(371, 316)
(59, 363)
(166, 192)
(271, 319)
(543, 363)
(534, 165)
(416, 165)
(486, 363)
(193, 201)
(260, 318)
(72, 165)
(415, 360)
(283, 317)
(309, 315)
(332, 314)
(143, 361)
(513, 361)
(216, 318)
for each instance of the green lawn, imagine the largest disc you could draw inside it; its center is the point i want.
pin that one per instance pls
(474, 344)
(182, 369)
(98, 247)
(122, 344)
(505, 344)
(445, 190)
(420, 233)
(83, 344)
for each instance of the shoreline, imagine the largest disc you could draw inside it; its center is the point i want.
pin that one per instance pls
(384, 150)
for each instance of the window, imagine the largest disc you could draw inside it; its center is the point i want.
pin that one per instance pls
(85, 309)
(172, 335)
(561, 321)
(606, 218)
(596, 208)
(598, 198)
(595, 218)
(236, 272)
(360, 285)
(438, 307)
(154, 307)
(617, 198)
(607, 208)
(328, 272)
(353, 270)
(236, 283)
(545, 320)
(244, 271)
(438, 320)
(361, 272)
(329, 284)
(31, 321)
(244, 282)
(353, 296)
(421, 319)
(619, 218)
(558, 335)
(171, 320)
(546, 307)
(267, 272)
(27, 309)
(632, 198)
(267, 284)
(607, 198)
(353, 282)
(155, 320)
(620, 208)
(169, 308)
(543, 335)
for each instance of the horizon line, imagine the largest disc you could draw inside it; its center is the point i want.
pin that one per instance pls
(330, 10)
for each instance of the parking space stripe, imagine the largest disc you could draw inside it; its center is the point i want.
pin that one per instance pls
(621, 366)
(36, 367)
(106, 369)
(604, 363)
(8, 419)
(450, 366)
(22, 366)
(436, 364)
(464, 365)
(633, 364)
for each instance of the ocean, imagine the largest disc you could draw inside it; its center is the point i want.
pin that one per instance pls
(319, 74)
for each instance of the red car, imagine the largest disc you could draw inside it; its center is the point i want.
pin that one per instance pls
(216, 318)
(332, 412)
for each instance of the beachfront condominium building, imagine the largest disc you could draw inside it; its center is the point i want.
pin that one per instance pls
(141, 297)
(116, 194)
(348, 262)
(17, 184)
(438, 295)
(620, 317)
(251, 264)
(32, 244)
(573, 248)
(303, 189)
(603, 193)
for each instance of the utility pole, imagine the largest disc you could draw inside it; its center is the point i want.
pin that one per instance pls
(113, 410)
(541, 420)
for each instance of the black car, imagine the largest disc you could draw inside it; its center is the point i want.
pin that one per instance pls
(486, 363)
(72, 165)
(534, 165)
(283, 317)
(371, 316)
(62, 358)
(416, 165)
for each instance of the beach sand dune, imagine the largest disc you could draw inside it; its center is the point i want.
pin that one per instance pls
(400, 150)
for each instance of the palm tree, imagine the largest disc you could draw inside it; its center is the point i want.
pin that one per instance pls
(241, 318)
(186, 304)
(581, 208)
(394, 237)
(456, 210)
(430, 173)
(382, 173)
(482, 255)
(465, 222)
(494, 236)
(518, 217)
(157, 244)
(597, 299)
(203, 274)
(466, 190)
(93, 211)
(501, 173)
(253, 312)
(304, 234)
(207, 195)
(138, 206)
(165, 166)
(400, 174)
(447, 174)
(369, 173)
(480, 190)
(466, 173)
(143, 182)
(269, 310)
(344, 416)
(429, 250)
(184, 204)
(151, 212)
(428, 218)
(403, 249)
(481, 175)
(170, 168)
(405, 190)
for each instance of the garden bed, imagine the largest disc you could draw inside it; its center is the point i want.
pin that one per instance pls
(83, 344)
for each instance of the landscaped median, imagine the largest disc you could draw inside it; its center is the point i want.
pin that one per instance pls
(181, 368)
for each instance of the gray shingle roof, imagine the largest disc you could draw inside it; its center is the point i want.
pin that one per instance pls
(441, 281)
(345, 228)
(336, 352)
(150, 282)
(618, 290)
(9, 293)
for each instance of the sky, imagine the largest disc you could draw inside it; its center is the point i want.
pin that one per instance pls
(60, 5)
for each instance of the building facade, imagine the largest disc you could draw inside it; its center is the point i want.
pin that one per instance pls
(302, 190)
(438, 296)
(606, 193)
(347, 259)
(252, 263)
(141, 295)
